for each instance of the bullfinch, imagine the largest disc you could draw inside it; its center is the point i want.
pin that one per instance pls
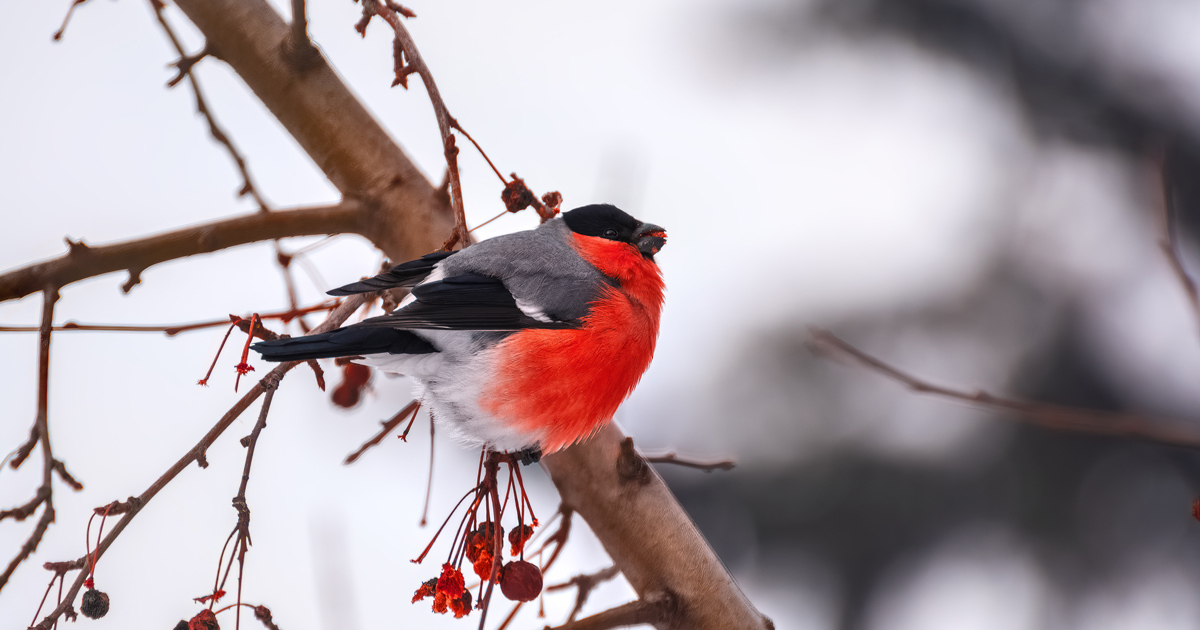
(524, 342)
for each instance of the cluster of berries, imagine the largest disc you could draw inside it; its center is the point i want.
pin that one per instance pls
(519, 580)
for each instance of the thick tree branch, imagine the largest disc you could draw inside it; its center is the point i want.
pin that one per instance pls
(649, 536)
(405, 214)
(84, 261)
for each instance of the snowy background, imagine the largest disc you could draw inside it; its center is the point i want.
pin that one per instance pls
(873, 167)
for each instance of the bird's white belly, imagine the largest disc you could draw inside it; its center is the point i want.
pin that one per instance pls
(450, 382)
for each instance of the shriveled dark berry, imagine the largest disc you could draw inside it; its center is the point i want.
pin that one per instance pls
(204, 620)
(94, 604)
(182, 625)
(521, 581)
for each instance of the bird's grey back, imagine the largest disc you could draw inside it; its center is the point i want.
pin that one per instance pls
(539, 267)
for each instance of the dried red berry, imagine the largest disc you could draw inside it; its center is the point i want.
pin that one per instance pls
(263, 614)
(516, 195)
(204, 620)
(427, 589)
(354, 380)
(521, 581)
(451, 582)
(94, 604)
(518, 537)
(1196, 508)
(483, 565)
(480, 549)
(461, 607)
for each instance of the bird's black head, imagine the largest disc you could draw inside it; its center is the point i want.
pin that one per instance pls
(610, 222)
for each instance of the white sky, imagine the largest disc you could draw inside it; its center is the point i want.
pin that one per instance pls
(796, 184)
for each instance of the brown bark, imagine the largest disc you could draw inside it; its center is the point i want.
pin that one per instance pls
(405, 216)
(648, 534)
(84, 261)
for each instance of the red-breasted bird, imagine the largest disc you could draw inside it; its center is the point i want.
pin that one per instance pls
(524, 342)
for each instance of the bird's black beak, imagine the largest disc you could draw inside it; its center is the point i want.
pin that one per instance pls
(649, 238)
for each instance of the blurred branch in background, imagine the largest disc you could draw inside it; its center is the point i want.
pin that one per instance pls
(1172, 432)
(1088, 506)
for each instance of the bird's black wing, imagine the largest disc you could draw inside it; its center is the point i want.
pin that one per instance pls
(350, 341)
(405, 275)
(464, 302)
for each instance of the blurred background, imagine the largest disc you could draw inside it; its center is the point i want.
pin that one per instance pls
(966, 188)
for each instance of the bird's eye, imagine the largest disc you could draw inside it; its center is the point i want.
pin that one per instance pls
(610, 233)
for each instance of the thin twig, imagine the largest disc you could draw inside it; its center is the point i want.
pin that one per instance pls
(492, 467)
(22, 452)
(672, 458)
(1059, 417)
(586, 584)
(454, 123)
(85, 261)
(44, 495)
(175, 329)
(183, 66)
(239, 501)
(66, 20)
(409, 61)
(303, 53)
(218, 134)
(388, 426)
(428, 478)
(648, 610)
(196, 454)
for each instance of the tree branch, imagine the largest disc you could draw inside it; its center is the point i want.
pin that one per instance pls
(672, 458)
(239, 501)
(196, 454)
(657, 609)
(403, 213)
(185, 68)
(406, 50)
(303, 53)
(649, 536)
(41, 427)
(84, 261)
(1050, 416)
(388, 425)
(586, 584)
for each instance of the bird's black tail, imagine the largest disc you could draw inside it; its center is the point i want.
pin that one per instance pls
(350, 341)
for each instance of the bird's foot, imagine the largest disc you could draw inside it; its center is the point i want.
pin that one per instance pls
(531, 455)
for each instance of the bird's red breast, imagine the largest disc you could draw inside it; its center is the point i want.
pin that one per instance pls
(566, 384)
